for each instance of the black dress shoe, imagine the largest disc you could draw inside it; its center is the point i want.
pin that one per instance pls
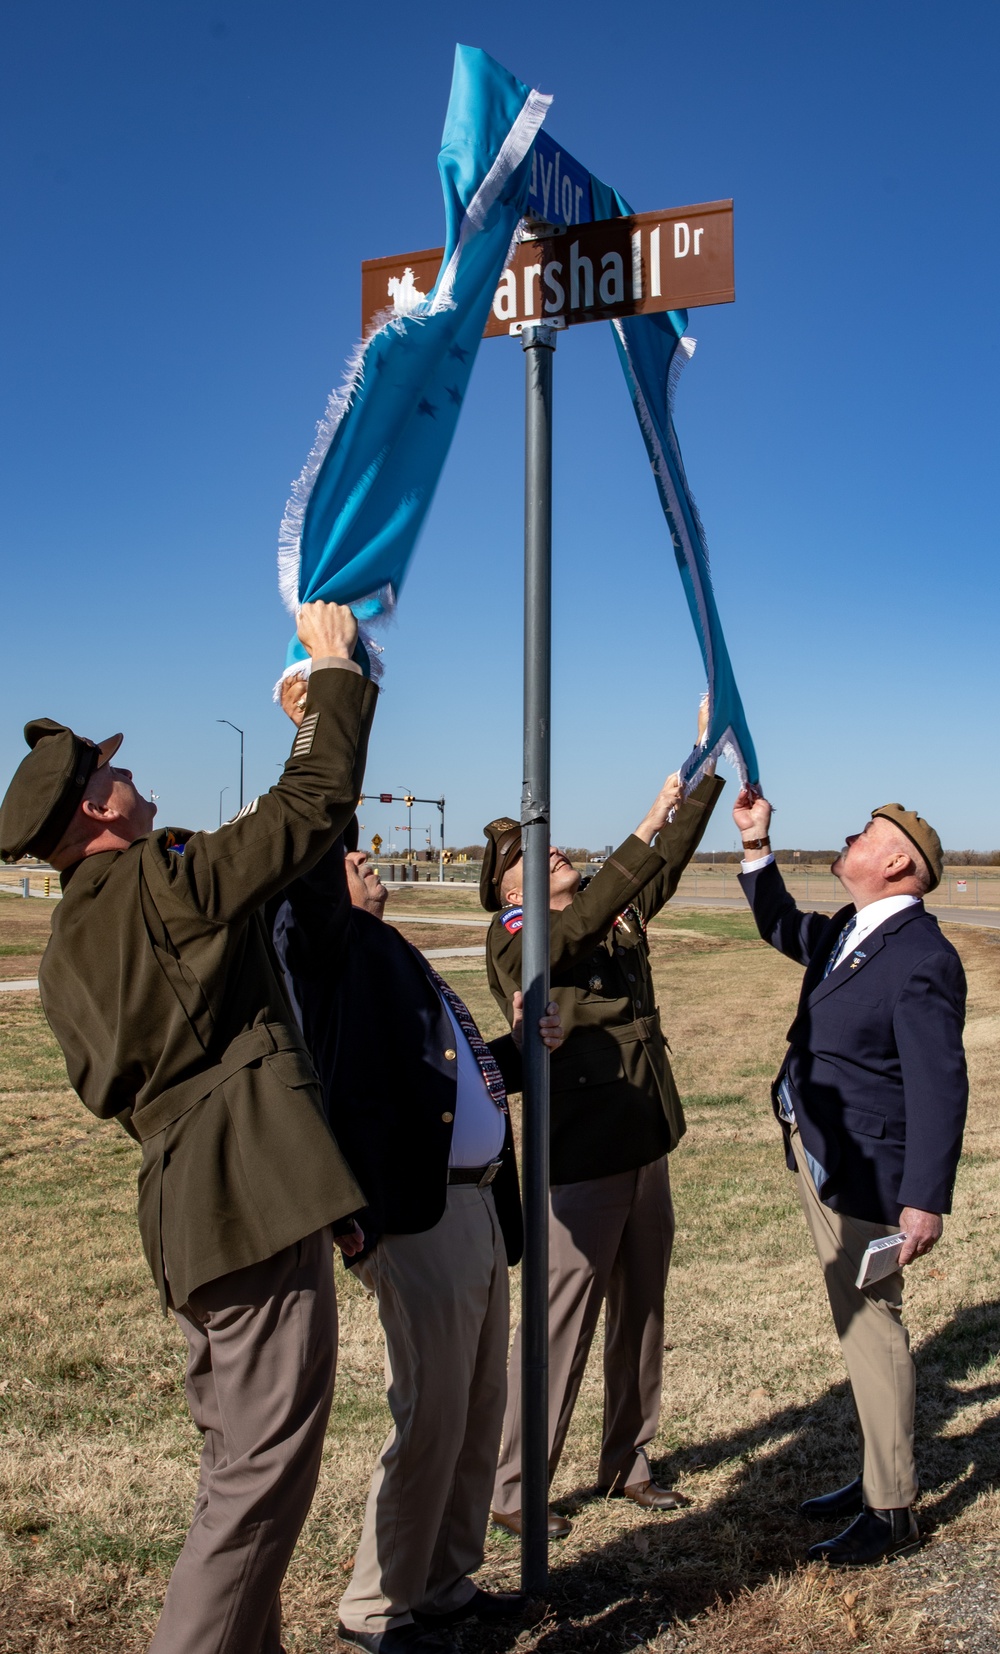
(399, 1639)
(482, 1605)
(871, 1537)
(559, 1527)
(830, 1507)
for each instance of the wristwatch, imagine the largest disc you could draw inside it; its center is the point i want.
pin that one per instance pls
(757, 844)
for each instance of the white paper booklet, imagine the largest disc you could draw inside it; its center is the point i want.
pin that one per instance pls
(881, 1259)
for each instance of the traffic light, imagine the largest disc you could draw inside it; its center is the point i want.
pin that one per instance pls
(408, 800)
(446, 856)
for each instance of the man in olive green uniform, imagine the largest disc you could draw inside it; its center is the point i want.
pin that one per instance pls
(615, 1116)
(162, 989)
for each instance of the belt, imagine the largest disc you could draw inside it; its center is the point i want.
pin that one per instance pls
(262, 1040)
(643, 1028)
(481, 1176)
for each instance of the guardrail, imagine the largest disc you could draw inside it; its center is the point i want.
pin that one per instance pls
(955, 890)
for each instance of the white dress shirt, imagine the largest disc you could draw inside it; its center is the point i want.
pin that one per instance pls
(478, 1134)
(866, 919)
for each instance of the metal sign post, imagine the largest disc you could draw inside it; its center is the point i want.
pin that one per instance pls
(573, 269)
(539, 345)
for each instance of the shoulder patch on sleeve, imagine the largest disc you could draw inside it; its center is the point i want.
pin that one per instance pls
(302, 745)
(512, 919)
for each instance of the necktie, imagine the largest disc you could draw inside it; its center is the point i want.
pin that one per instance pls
(488, 1065)
(839, 946)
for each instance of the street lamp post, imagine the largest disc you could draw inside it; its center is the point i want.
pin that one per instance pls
(240, 734)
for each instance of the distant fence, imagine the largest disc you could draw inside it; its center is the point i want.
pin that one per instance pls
(959, 887)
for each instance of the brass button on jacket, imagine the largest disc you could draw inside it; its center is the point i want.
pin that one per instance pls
(449, 1055)
(447, 1118)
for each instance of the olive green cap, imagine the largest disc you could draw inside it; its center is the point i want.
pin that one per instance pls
(503, 847)
(47, 787)
(920, 833)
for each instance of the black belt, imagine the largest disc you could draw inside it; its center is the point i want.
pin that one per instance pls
(481, 1176)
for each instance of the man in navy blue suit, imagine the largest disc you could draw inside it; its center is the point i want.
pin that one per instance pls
(871, 1098)
(417, 1101)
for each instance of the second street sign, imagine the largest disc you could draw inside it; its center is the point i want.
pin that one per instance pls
(672, 260)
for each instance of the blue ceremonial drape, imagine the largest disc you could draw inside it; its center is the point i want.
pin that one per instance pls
(356, 511)
(653, 350)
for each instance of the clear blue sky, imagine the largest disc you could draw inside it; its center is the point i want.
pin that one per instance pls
(188, 189)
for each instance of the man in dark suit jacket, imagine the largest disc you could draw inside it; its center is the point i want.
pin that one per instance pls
(872, 1098)
(417, 1102)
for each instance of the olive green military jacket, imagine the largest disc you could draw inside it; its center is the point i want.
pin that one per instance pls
(614, 1102)
(161, 986)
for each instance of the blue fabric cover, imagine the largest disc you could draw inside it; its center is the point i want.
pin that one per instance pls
(353, 520)
(652, 355)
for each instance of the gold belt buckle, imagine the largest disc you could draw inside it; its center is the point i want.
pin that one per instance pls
(488, 1175)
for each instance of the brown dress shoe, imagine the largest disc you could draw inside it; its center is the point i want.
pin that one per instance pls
(559, 1527)
(649, 1496)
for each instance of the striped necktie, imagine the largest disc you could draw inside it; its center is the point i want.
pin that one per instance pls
(488, 1065)
(839, 945)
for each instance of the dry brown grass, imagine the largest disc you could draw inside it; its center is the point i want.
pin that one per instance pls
(97, 1453)
(24, 931)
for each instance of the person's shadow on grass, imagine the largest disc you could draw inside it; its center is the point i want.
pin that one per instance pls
(671, 1568)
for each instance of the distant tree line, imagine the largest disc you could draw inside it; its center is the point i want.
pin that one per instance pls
(788, 858)
(954, 858)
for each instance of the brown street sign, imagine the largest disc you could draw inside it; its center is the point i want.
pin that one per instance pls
(673, 260)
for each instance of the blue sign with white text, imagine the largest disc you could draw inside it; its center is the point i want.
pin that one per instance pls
(559, 191)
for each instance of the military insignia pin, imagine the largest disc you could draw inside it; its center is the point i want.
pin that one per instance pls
(858, 956)
(595, 984)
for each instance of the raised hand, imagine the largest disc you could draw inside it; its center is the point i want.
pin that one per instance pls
(752, 814)
(293, 698)
(327, 629)
(667, 799)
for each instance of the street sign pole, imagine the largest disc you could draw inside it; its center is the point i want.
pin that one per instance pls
(539, 344)
(576, 270)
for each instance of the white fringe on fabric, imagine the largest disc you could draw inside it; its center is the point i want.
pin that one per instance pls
(302, 668)
(512, 151)
(509, 157)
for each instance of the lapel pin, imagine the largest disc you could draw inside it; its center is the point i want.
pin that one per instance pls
(858, 956)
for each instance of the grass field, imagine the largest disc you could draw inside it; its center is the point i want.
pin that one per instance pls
(98, 1455)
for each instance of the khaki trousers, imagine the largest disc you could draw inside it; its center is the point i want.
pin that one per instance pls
(609, 1243)
(262, 1349)
(875, 1343)
(443, 1302)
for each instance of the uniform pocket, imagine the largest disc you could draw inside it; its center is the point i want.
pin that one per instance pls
(869, 1125)
(600, 1066)
(292, 1069)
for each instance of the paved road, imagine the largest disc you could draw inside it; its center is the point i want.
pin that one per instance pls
(434, 919)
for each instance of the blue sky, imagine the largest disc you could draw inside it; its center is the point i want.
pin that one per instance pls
(188, 190)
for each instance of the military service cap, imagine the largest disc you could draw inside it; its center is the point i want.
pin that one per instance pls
(47, 787)
(503, 847)
(920, 833)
